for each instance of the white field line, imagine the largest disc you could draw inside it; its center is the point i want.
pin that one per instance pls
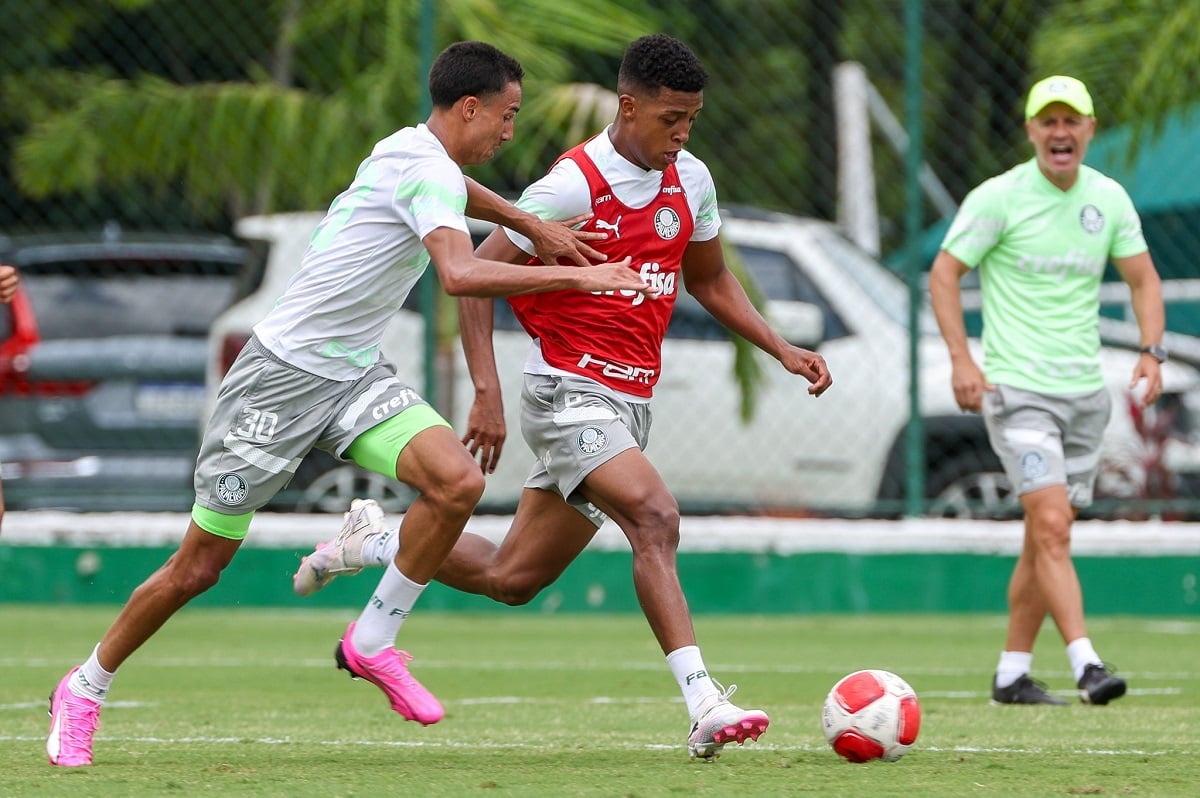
(834, 670)
(977, 696)
(747, 750)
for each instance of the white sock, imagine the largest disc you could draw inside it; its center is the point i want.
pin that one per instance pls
(91, 680)
(381, 549)
(380, 621)
(1012, 666)
(699, 692)
(1081, 654)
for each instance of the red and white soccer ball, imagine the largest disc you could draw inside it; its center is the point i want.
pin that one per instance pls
(871, 714)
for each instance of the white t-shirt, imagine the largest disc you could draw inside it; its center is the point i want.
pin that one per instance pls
(365, 256)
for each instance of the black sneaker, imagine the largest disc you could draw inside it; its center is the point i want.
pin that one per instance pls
(1024, 691)
(1098, 686)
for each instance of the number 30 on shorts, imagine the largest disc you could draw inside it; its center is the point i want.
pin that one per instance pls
(257, 425)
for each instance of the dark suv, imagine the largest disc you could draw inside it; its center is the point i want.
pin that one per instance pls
(102, 365)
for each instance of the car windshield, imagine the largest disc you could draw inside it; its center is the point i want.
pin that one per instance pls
(883, 286)
(105, 299)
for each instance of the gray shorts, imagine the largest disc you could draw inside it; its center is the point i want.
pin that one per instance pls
(575, 425)
(269, 414)
(1047, 440)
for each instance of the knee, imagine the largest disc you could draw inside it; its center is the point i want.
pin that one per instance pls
(516, 587)
(655, 525)
(190, 579)
(516, 591)
(459, 489)
(1051, 531)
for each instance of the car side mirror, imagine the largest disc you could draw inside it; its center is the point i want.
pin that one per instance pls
(800, 323)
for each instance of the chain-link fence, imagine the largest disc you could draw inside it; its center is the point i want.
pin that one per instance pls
(135, 134)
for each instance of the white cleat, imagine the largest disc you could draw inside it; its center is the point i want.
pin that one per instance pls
(725, 723)
(343, 555)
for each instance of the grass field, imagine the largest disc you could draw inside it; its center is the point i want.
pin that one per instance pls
(248, 703)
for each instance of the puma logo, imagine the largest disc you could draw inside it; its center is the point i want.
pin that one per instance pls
(603, 225)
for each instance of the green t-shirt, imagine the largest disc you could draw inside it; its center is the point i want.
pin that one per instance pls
(1041, 253)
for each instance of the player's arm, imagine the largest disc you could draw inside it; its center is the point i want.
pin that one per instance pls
(712, 284)
(8, 282)
(463, 274)
(486, 430)
(1146, 298)
(945, 295)
(552, 241)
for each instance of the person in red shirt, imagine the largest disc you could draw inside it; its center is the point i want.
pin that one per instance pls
(593, 363)
(8, 289)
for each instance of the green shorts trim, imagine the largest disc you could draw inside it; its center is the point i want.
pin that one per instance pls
(378, 448)
(233, 527)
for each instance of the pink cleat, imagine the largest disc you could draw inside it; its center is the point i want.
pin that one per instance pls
(725, 723)
(73, 721)
(388, 671)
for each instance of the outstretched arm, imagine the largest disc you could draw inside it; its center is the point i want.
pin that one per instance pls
(463, 274)
(714, 286)
(552, 241)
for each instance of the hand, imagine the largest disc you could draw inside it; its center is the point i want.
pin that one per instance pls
(486, 431)
(1150, 370)
(614, 277)
(8, 282)
(969, 385)
(558, 241)
(810, 366)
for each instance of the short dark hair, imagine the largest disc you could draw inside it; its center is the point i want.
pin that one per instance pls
(660, 62)
(471, 69)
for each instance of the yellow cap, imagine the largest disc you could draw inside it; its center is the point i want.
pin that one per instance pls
(1059, 89)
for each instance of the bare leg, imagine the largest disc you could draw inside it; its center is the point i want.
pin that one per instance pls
(449, 483)
(187, 573)
(547, 534)
(1045, 579)
(1026, 607)
(631, 492)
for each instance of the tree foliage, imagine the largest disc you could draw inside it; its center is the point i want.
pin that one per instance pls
(229, 126)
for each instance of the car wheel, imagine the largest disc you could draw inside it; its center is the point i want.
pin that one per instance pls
(333, 490)
(987, 495)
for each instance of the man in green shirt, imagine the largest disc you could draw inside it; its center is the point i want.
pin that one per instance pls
(1041, 235)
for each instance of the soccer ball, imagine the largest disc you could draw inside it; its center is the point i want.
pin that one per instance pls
(871, 714)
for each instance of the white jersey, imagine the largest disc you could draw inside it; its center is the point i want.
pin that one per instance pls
(365, 256)
(563, 193)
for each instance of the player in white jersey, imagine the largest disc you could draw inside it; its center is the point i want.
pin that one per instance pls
(587, 422)
(312, 377)
(1041, 235)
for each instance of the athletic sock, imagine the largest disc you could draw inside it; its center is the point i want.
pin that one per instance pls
(1081, 654)
(699, 692)
(380, 621)
(91, 680)
(1012, 666)
(381, 549)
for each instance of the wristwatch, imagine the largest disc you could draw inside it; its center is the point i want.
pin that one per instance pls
(1156, 351)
